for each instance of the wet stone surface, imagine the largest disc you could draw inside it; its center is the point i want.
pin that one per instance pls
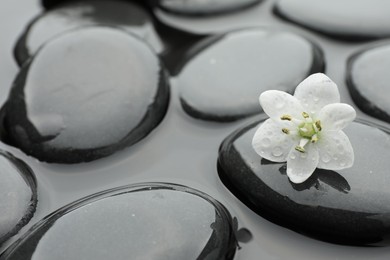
(368, 78)
(347, 19)
(348, 207)
(126, 15)
(224, 75)
(145, 221)
(18, 195)
(204, 7)
(87, 94)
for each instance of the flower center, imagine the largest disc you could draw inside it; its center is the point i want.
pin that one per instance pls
(308, 130)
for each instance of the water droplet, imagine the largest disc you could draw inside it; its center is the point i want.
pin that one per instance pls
(265, 142)
(316, 99)
(277, 151)
(303, 155)
(342, 163)
(335, 157)
(292, 157)
(325, 158)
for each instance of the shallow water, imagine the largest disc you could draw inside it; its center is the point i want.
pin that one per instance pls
(181, 149)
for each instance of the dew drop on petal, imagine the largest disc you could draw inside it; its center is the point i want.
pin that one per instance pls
(325, 158)
(341, 148)
(342, 163)
(266, 142)
(335, 157)
(292, 157)
(277, 151)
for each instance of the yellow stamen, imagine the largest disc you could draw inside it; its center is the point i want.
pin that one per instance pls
(300, 149)
(318, 125)
(305, 115)
(314, 139)
(286, 117)
(286, 131)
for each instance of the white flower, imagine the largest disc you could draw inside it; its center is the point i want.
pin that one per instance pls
(306, 129)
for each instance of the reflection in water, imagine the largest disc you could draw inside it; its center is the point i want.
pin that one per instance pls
(333, 179)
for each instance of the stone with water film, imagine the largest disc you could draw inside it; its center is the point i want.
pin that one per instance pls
(53, 23)
(348, 206)
(224, 75)
(86, 95)
(144, 221)
(18, 195)
(368, 78)
(204, 7)
(347, 19)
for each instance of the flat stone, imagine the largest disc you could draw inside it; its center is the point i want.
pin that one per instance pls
(18, 195)
(86, 95)
(204, 7)
(347, 19)
(143, 221)
(224, 75)
(350, 206)
(68, 16)
(367, 79)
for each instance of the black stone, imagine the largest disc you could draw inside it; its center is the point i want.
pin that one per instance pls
(50, 4)
(367, 80)
(85, 95)
(126, 15)
(224, 75)
(143, 221)
(204, 7)
(18, 195)
(347, 19)
(350, 206)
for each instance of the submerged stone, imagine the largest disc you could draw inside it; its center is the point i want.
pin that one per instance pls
(204, 7)
(347, 19)
(143, 221)
(224, 75)
(349, 206)
(86, 95)
(18, 195)
(368, 78)
(126, 15)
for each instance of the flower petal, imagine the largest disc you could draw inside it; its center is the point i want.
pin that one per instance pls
(277, 103)
(317, 91)
(335, 150)
(337, 116)
(271, 143)
(300, 166)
